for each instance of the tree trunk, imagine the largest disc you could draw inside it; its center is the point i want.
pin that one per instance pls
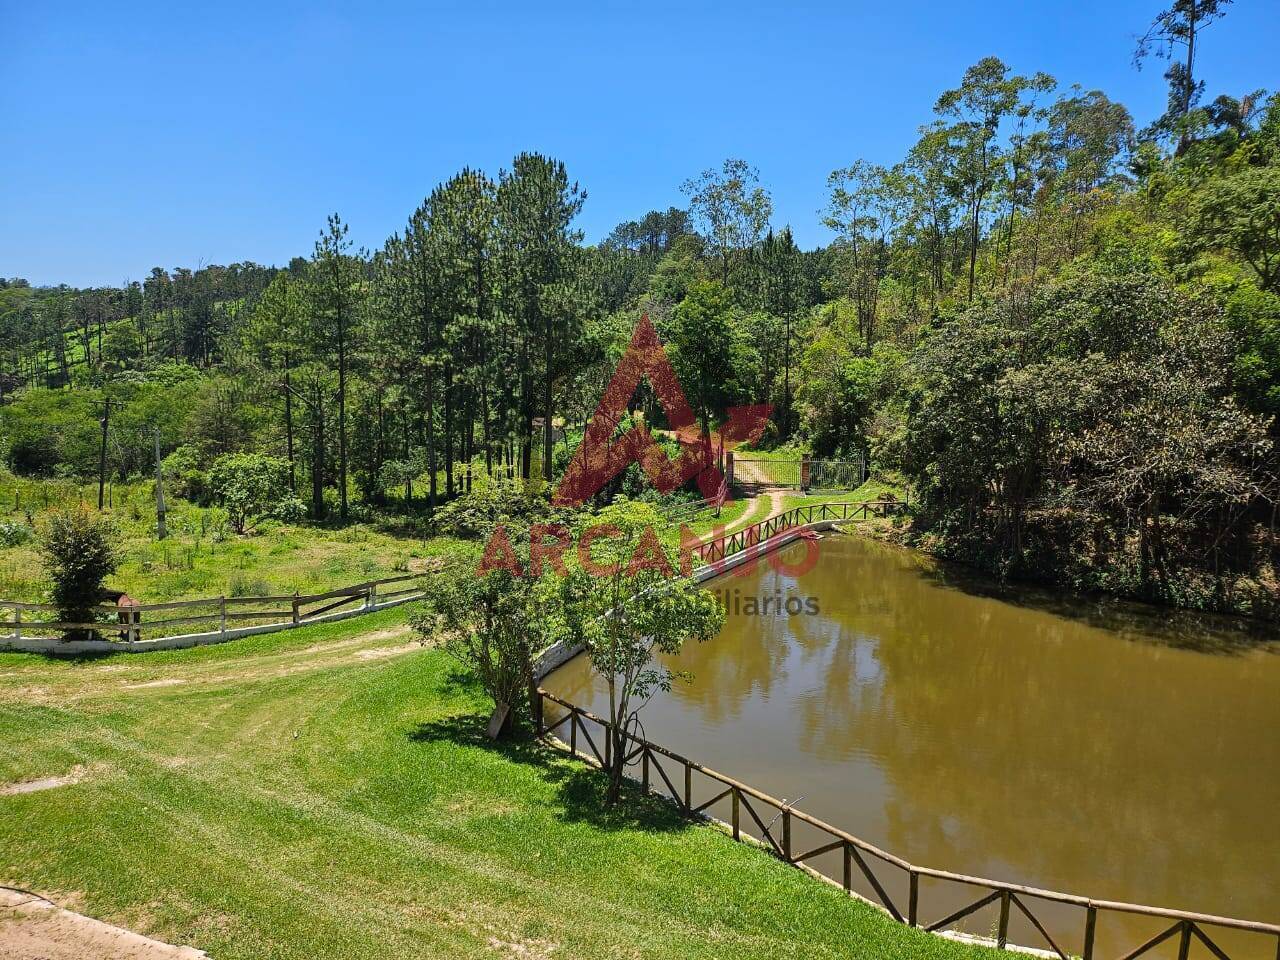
(469, 436)
(342, 417)
(317, 459)
(786, 377)
(431, 444)
(288, 428)
(484, 423)
(448, 430)
(1188, 83)
(547, 405)
(408, 476)
(973, 243)
(617, 739)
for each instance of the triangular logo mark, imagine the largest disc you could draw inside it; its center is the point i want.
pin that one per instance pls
(600, 458)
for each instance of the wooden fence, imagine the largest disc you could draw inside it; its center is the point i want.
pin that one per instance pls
(683, 511)
(718, 548)
(132, 623)
(748, 808)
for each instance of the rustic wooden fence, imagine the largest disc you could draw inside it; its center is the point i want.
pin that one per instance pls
(758, 533)
(683, 511)
(135, 622)
(673, 777)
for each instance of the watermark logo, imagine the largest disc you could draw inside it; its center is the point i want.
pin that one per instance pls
(602, 455)
(776, 604)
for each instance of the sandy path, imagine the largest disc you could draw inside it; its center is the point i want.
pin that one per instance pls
(32, 928)
(763, 506)
(136, 677)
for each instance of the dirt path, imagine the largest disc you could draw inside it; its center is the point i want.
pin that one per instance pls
(33, 928)
(763, 506)
(135, 676)
(776, 498)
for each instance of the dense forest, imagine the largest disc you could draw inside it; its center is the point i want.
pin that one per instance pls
(1060, 329)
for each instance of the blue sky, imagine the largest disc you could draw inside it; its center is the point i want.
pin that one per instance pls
(179, 134)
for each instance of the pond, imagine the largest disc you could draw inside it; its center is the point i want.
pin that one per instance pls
(1093, 747)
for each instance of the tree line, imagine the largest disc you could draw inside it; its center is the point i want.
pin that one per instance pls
(1062, 328)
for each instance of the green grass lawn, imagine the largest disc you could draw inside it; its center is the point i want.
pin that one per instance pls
(785, 452)
(873, 489)
(328, 793)
(730, 515)
(202, 557)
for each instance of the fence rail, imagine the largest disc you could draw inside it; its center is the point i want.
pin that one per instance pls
(684, 511)
(748, 808)
(129, 625)
(718, 548)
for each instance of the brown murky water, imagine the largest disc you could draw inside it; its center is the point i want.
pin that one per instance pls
(1103, 749)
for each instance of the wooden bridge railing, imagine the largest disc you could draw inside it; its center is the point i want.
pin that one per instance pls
(128, 624)
(717, 548)
(672, 777)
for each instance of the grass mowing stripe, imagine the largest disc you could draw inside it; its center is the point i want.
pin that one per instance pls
(289, 799)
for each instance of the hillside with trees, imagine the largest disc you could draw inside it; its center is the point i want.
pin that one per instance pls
(1060, 328)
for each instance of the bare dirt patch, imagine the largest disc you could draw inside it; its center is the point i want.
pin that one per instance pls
(166, 682)
(33, 928)
(31, 693)
(381, 653)
(75, 775)
(389, 633)
(525, 949)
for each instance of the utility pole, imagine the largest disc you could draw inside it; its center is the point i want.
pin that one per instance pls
(160, 528)
(102, 452)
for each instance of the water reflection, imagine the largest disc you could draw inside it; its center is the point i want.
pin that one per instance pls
(1090, 747)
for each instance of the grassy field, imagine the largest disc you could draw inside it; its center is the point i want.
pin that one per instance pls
(329, 793)
(202, 557)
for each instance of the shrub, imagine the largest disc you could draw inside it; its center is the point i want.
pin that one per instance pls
(47, 429)
(492, 623)
(14, 533)
(242, 585)
(252, 487)
(475, 515)
(183, 476)
(78, 550)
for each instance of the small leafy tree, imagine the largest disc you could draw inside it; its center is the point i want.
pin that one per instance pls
(78, 550)
(251, 486)
(489, 622)
(627, 610)
(492, 504)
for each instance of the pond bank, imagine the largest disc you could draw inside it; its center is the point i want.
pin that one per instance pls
(922, 713)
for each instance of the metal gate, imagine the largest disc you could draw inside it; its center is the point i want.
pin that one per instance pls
(836, 474)
(798, 474)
